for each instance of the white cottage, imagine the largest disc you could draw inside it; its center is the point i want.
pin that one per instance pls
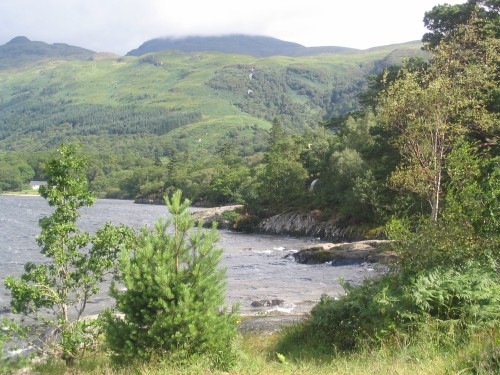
(35, 185)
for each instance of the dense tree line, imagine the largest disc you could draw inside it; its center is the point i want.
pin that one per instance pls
(84, 119)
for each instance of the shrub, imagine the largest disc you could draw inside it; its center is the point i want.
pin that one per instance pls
(174, 293)
(452, 303)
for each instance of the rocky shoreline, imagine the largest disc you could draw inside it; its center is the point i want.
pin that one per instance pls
(346, 245)
(309, 224)
(376, 252)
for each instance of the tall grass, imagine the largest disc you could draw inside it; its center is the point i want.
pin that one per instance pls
(258, 354)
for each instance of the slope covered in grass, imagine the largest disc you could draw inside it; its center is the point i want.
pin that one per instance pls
(157, 95)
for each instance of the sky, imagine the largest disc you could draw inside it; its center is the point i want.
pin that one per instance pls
(121, 25)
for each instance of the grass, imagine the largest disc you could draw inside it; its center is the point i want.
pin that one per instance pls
(27, 192)
(257, 354)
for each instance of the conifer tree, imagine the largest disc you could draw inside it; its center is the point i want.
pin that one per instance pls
(174, 292)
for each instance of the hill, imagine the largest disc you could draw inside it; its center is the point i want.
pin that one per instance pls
(21, 52)
(137, 113)
(178, 96)
(257, 46)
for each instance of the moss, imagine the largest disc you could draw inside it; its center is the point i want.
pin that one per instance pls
(246, 222)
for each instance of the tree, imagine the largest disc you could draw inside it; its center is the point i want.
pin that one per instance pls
(226, 186)
(15, 173)
(429, 111)
(283, 175)
(446, 21)
(378, 83)
(174, 294)
(276, 133)
(468, 229)
(56, 292)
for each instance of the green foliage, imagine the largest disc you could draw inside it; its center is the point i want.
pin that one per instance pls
(444, 21)
(283, 175)
(8, 365)
(450, 305)
(468, 229)
(466, 298)
(226, 187)
(258, 355)
(483, 358)
(85, 120)
(56, 292)
(378, 83)
(429, 111)
(352, 167)
(15, 173)
(174, 290)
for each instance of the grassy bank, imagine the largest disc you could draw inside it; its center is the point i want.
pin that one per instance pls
(28, 193)
(257, 354)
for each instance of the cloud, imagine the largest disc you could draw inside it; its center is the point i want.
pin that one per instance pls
(121, 25)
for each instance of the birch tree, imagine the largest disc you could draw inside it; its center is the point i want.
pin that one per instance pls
(429, 110)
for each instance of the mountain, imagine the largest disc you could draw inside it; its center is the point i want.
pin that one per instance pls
(174, 98)
(21, 51)
(168, 112)
(257, 46)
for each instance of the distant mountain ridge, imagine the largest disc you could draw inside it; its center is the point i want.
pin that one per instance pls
(257, 46)
(21, 51)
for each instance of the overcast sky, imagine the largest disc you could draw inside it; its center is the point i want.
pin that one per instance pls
(121, 25)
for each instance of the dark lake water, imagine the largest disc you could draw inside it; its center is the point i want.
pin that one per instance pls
(257, 267)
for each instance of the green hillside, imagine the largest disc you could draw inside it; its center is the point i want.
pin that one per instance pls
(165, 103)
(159, 93)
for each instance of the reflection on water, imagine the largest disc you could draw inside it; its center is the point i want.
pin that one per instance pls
(257, 266)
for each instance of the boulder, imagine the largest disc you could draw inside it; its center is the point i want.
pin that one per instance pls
(360, 251)
(267, 303)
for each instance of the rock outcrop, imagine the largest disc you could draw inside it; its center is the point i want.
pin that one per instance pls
(360, 251)
(267, 303)
(308, 224)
